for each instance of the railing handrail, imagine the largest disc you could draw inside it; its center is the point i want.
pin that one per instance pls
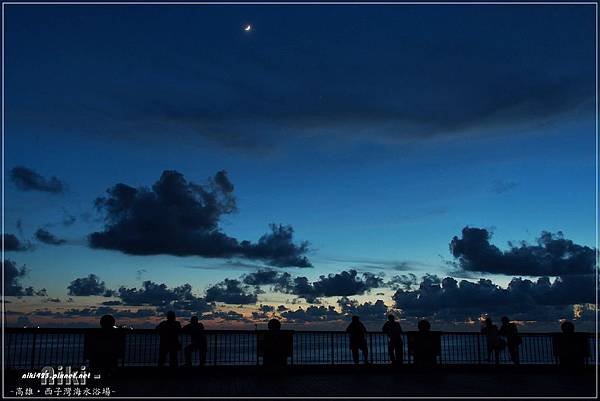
(83, 330)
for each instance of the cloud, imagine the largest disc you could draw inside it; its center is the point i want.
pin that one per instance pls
(230, 291)
(337, 96)
(48, 238)
(23, 321)
(264, 312)
(278, 248)
(267, 277)
(86, 286)
(179, 299)
(345, 283)
(404, 281)
(28, 180)
(311, 314)
(54, 300)
(177, 217)
(99, 312)
(112, 303)
(553, 255)
(525, 299)
(13, 244)
(367, 311)
(12, 281)
(229, 316)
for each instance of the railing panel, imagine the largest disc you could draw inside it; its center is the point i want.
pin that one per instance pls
(35, 348)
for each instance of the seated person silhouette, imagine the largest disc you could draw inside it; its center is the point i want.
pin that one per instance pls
(168, 331)
(511, 333)
(572, 349)
(358, 339)
(198, 341)
(276, 345)
(493, 340)
(424, 345)
(104, 346)
(395, 344)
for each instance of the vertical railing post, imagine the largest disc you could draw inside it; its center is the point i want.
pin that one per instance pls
(215, 349)
(332, 348)
(257, 350)
(478, 349)
(33, 349)
(126, 343)
(371, 347)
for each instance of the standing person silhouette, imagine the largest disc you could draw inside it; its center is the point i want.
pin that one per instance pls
(103, 347)
(358, 339)
(276, 345)
(395, 344)
(424, 345)
(510, 332)
(169, 330)
(494, 343)
(198, 342)
(572, 349)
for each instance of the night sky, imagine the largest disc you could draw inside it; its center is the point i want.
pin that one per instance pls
(431, 161)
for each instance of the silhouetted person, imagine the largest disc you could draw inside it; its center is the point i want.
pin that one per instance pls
(276, 345)
(358, 339)
(493, 341)
(571, 348)
(425, 345)
(198, 342)
(104, 346)
(169, 330)
(395, 344)
(510, 332)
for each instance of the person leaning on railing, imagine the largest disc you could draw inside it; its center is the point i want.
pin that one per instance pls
(424, 345)
(358, 339)
(198, 342)
(104, 346)
(393, 330)
(168, 331)
(509, 331)
(276, 345)
(572, 349)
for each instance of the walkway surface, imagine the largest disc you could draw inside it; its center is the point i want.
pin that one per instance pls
(381, 381)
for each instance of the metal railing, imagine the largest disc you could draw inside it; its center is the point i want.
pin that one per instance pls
(37, 347)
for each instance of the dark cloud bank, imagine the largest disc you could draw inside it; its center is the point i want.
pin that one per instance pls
(178, 217)
(541, 299)
(552, 255)
(345, 283)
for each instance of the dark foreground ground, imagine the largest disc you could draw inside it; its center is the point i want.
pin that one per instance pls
(374, 381)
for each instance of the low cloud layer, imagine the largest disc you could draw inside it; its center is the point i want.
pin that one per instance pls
(230, 291)
(345, 283)
(552, 255)
(180, 299)
(537, 300)
(26, 179)
(177, 217)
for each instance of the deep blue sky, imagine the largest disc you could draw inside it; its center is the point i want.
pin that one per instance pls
(377, 132)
